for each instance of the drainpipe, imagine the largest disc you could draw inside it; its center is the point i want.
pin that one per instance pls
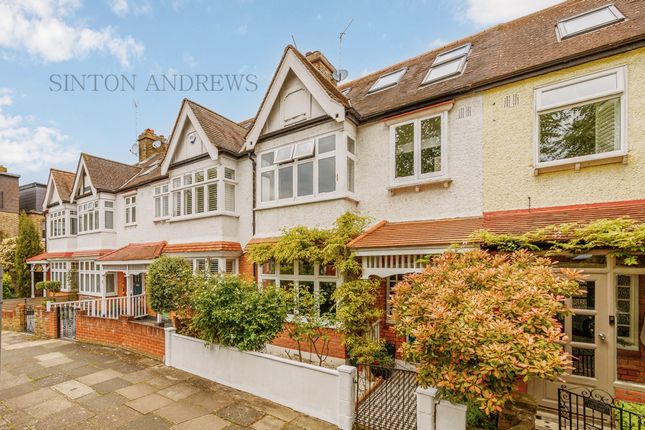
(253, 170)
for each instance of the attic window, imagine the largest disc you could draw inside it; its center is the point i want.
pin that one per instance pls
(588, 21)
(152, 167)
(448, 64)
(388, 80)
(346, 91)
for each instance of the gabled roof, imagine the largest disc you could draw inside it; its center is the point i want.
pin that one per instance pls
(292, 59)
(64, 181)
(221, 131)
(508, 50)
(108, 175)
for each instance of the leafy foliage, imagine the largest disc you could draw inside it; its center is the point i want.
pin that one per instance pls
(7, 291)
(308, 326)
(315, 245)
(8, 258)
(50, 286)
(636, 408)
(168, 284)
(356, 311)
(28, 244)
(481, 322)
(234, 312)
(624, 237)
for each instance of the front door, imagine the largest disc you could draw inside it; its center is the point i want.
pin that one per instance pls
(589, 342)
(137, 284)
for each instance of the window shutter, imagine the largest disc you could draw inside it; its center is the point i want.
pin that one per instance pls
(201, 265)
(211, 173)
(607, 126)
(176, 197)
(230, 266)
(212, 197)
(188, 202)
(229, 174)
(164, 203)
(199, 199)
(213, 266)
(229, 194)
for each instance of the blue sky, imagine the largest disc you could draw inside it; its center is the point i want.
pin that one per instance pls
(42, 126)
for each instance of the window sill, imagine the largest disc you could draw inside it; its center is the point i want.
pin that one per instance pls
(96, 231)
(577, 165)
(420, 185)
(346, 196)
(202, 215)
(132, 224)
(161, 219)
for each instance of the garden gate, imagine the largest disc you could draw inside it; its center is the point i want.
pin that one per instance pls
(30, 319)
(67, 321)
(385, 398)
(586, 408)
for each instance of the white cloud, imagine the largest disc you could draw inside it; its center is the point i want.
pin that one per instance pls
(488, 12)
(44, 30)
(25, 146)
(190, 61)
(242, 29)
(124, 7)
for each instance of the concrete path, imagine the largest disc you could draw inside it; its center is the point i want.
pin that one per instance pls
(59, 384)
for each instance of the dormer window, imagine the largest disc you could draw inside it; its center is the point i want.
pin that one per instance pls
(588, 21)
(448, 64)
(387, 80)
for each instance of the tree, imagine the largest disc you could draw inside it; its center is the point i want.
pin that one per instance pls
(27, 245)
(168, 282)
(233, 312)
(481, 322)
(8, 260)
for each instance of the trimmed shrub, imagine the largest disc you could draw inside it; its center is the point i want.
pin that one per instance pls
(168, 284)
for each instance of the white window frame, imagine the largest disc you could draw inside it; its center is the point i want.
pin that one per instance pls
(219, 263)
(59, 271)
(439, 61)
(375, 88)
(350, 156)
(58, 224)
(219, 180)
(418, 177)
(561, 30)
(89, 208)
(89, 278)
(161, 194)
(130, 205)
(542, 108)
(633, 313)
(340, 154)
(277, 278)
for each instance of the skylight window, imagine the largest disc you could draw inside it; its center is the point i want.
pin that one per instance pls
(589, 21)
(448, 64)
(387, 81)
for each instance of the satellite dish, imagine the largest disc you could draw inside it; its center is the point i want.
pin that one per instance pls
(134, 149)
(340, 75)
(156, 144)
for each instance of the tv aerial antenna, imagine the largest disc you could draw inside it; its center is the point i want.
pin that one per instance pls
(340, 74)
(134, 149)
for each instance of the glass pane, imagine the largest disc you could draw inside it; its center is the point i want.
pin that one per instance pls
(589, 129)
(350, 175)
(623, 331)
(584, 362)
(267, 181)
(327, 175)
(306, 179)
(583, 328)
(326, 289)
(387, 80)
(212, 197)
(327, 270)
(188, 202)
(588, 21)
(404, 150)
(327, 144)
(431, 145)
(268, 283)
(444, 70)
(305, 268)
(229, 197)
(285, 177)
(268, 267)
(351, 145)
(266, 159)
(306, 286)
(286, 269)
(587, 297)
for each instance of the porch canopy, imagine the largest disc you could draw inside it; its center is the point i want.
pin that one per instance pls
(394, 248)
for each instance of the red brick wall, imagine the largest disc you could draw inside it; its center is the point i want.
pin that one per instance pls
(631, 364)
(387, 331)
(246, 268)
(46, 323)
(629, 395)
(123, 333)
(336, 348)
(13, 319)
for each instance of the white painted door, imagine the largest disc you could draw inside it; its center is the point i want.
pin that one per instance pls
(589, 342)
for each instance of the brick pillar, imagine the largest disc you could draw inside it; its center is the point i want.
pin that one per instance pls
(20, 317)
(46, 322)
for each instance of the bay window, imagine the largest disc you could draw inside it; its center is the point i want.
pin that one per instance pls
(318, 279)
(59, 270)
(214, 265)
(197, 192)
(57, 224)
(303, 170)
(89, 278)
(89, 216)
(418, 148)
(581, 119)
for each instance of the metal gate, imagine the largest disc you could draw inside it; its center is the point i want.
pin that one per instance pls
(67, 319)
(385, 398)
(594, 409)
(30, 319)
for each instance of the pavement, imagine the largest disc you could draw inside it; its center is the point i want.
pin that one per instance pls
(61, 384)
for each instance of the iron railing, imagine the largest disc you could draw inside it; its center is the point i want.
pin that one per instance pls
(584, 408)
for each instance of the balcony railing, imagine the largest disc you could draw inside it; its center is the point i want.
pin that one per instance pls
(109, 307)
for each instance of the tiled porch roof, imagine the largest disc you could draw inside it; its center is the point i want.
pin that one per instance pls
(176, 248)
(91, 253)
(49, 256)
(450, 231)
(256, 240)
(135, 252)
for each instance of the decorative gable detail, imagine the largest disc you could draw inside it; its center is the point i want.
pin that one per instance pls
(82, 182)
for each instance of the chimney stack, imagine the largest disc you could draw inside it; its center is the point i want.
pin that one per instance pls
(146, 144)
(3, 169)
(321, 63)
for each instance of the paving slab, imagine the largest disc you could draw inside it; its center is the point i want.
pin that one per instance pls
(137, 390)
(239, 413)
(210, 422)
(149, 403)
(49, 407)
(73, 389)
(30, 399)
(178, 391)
(100, 376)
(178, 412)
(268, 422)
(209, 400)
(148, 422)
(111, 385)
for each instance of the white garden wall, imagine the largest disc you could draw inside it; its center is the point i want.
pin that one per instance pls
(327, 394)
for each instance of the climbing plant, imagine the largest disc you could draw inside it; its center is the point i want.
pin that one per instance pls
(315, 245)
(623, 237)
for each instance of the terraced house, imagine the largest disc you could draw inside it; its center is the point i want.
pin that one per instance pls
(529, 123)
